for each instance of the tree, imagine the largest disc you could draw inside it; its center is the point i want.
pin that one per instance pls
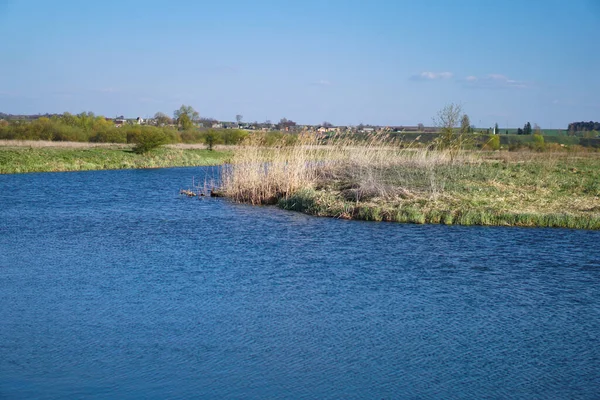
(326, 124)
(446, 121)
(184, 122)
(527, 129)
(238, 118)
(583, 126)
(537, 130)
(208, 122)
(211, 138)
(191, 116)
(519, 131)
(162, 119)
(285, 124)
(465, 124)
(496, 129)
(420, 127)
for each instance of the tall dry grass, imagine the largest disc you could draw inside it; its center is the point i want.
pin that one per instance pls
(376, 167)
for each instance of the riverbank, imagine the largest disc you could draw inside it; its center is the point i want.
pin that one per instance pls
(38, 156)
(380, 182)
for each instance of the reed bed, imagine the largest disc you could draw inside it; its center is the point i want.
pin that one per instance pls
(384, 180)
(263, 175)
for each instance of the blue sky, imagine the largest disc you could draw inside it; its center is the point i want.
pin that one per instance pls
(347, 62)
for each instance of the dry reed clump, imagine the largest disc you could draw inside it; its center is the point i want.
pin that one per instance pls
(361, 169)
(260, 175)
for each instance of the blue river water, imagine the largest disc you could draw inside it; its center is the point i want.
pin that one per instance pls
(112, 285)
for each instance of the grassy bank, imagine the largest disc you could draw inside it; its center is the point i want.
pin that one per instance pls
(20, 159)
(380, 181)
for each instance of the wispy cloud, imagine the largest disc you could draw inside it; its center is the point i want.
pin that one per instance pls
(322, 82)
(494, 81)
(431, 76)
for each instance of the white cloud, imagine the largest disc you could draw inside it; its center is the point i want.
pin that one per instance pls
(494, 81)
(431, 76)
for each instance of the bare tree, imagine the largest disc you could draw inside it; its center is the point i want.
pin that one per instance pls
(447, 121)
(238, 118)
(285, 124)
(327, 124)
(162, 119)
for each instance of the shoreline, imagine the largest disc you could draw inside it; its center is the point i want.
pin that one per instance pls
(506, 189)
(323, 204)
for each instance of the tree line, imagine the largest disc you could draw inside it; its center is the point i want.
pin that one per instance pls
(575, 127)
(88, 127)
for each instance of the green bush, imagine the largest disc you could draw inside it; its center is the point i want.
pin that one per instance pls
(233, 136)
(191, 136)
(111, 135)
(66, 133)
(493, 143)
(211, 138)
(146, 139)
(538, 142)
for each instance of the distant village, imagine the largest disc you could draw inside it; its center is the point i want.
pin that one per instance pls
(284, 125)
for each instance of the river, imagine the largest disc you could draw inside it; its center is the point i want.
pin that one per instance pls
(112, 285)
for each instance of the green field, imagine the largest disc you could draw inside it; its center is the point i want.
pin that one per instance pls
(51, 159)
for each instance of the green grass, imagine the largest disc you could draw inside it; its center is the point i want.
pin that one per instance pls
(22, 160)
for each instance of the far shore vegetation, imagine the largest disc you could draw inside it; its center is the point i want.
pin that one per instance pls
(24, 157)
(452, 175)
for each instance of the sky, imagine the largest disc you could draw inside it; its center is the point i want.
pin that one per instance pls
(395, 62)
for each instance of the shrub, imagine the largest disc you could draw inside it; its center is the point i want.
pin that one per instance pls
(212, 137)
(233, 136)
(493, 143)
(148, 139)
(538, 142)
(66, 133)
(111, 135)
(191, 136)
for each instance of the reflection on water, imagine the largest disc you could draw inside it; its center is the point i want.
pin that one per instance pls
(113, 286)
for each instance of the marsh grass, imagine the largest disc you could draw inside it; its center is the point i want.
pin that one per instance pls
(383, 180)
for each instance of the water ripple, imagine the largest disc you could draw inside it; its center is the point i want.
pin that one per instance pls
(114, 287)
